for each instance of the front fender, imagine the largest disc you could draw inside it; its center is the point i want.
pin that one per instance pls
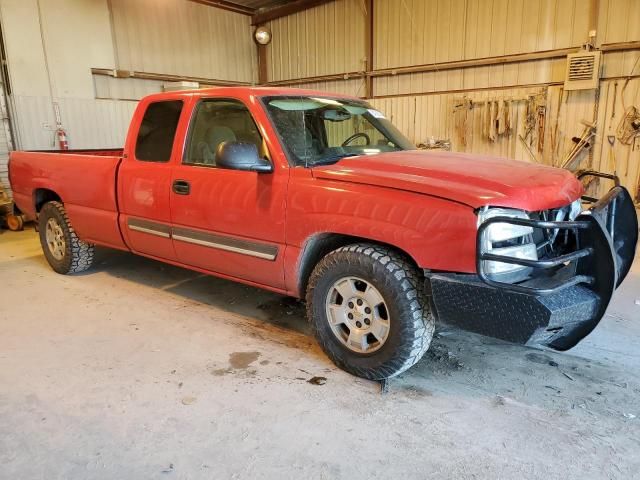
(436, 233)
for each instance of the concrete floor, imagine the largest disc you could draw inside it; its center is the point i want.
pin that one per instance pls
(140, 370)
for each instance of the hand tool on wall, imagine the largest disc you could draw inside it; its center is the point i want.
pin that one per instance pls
(501, 117)
(612, 154)
(542, 115)
(486, 116)
(629, 126)
(493, 113)
(528, 148)
(581, 143)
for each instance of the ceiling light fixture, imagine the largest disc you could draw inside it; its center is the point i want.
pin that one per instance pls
(262, 35)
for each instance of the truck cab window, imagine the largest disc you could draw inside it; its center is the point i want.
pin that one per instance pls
(216, 122)
(157, 131)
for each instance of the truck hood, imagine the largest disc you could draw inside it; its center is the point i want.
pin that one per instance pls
(474, 180)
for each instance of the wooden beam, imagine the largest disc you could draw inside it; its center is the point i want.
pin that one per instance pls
(369, 46)
(620, 46)
(164, 77)
(468, 90)
(224, 5)
(287, 9)
(263, 70)
(476, 62)
(321, 78)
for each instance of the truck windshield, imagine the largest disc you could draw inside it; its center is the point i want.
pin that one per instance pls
(319, 130)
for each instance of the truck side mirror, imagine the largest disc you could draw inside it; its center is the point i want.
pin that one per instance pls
(242, 156)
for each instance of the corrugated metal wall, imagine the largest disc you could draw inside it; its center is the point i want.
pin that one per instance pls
(319, 41)
(183, 38)
(426, 32)
(354, 86)
(417, 32)
(52, 47)
(89, 123)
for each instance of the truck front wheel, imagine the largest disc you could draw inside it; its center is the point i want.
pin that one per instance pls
(368, 310)
(64, 251)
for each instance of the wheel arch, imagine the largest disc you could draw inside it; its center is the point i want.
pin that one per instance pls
(42, 196)
(320, 244)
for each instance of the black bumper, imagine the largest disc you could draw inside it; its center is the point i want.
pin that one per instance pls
(563, 304)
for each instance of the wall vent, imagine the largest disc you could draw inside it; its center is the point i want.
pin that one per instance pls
(583, 71)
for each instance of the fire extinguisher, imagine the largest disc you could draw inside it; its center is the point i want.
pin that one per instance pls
(61, 134)
(62, 139)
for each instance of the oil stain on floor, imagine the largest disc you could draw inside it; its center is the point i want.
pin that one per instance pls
(242, 360)
(239, 362)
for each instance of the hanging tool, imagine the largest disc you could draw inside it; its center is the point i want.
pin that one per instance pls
(612, 154)
(486, 115)
(542, 115)
(502, 126)
(615, 96)
(528, 148)
(629, 127)
(581, 143)
(493, 112)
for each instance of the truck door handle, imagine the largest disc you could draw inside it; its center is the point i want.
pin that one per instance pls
(181, 187)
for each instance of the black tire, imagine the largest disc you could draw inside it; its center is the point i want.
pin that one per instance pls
(401, 285)
(77, 255)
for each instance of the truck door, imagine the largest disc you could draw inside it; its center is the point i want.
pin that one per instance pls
(227, 221)
(144, 179)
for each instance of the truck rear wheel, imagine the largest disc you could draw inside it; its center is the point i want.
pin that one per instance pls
(368, 311)
(64, 251)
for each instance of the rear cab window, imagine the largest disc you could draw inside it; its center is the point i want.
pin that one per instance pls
(158, 130)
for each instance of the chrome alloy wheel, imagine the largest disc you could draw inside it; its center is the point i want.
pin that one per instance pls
(358, 315)
(55, 239)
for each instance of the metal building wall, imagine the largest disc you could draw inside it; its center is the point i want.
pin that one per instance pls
(52, 47)
(185, 38)
(420, 32)
(319, 41)
(416, 33)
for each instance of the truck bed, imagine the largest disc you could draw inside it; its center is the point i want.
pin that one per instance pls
(84, 180)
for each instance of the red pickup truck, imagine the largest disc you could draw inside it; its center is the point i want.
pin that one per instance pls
(319, 196)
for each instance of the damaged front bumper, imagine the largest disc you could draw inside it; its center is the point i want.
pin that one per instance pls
(566, 296)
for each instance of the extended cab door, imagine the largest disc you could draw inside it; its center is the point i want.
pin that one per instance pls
(144, 178)
(228, 221)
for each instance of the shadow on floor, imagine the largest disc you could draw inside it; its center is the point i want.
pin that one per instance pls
(278, 310)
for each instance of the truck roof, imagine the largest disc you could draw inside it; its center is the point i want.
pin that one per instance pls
(243, 91)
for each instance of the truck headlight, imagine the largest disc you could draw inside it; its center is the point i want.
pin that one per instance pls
(508, 240)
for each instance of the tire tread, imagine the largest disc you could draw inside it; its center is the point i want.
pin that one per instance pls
(80, 253)
(416, 333)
